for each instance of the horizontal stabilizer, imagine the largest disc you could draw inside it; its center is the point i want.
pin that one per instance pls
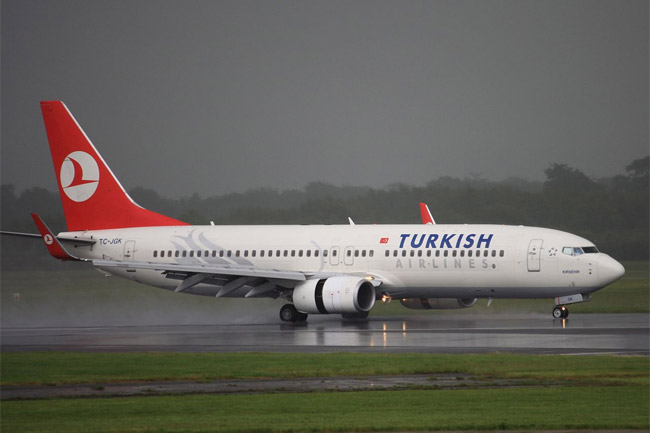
(51, 242)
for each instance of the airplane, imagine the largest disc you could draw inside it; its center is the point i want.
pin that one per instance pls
(316, 269)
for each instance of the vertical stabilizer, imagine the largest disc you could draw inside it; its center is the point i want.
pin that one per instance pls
(92, 197)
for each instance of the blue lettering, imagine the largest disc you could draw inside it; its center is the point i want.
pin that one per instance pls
(483, 239)
(469, 241)
(445, 240)
(415, 243)
(460, 238)
(403, 236)
(431, 242)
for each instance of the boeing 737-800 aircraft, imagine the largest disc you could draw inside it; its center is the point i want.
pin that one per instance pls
(318, 269)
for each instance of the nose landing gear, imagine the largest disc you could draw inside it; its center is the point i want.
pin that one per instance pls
(560, 312)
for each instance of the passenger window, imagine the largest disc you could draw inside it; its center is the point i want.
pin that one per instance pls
(229, 253)
(419, 253)
(316, 253)
(371, 253)
(412, 253)
(437, 253)
(334, 253)
(428, 253)
(261, 253)
(387, 253)
(462, 253)
(308, 253)
(324, 253)
(363, 253)
(221, 253)
(198, 253)
(286, 253)
(214, 253)
(176, 253)
(293, 253)
(356, 253)
(494, 253)
(184, 253)
(469, 253)
(394, 253)
(501, 253)
(446, 253)
(404, 253)
(485, 253)
(155, 253)
(169, 253)
(349, 253)
(237, 253)
(453, 253)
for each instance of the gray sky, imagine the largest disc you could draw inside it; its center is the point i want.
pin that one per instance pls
(217, 96)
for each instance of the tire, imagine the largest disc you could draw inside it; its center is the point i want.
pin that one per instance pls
(288, 313)
(558, 313)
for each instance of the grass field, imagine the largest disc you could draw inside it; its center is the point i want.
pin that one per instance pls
(77, 367)
(612, 407)
(595, 393)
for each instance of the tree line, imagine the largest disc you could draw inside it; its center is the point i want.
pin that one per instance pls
(612, 212)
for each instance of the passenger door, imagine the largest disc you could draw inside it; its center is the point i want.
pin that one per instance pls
(535, 255)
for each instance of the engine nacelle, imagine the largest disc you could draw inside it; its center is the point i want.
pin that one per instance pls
(334, 295)
(439, 303)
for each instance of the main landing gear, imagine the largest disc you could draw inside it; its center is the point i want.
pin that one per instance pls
(288, 313)
(560, 312)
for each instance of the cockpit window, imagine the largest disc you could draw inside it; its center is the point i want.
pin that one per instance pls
(575, 251)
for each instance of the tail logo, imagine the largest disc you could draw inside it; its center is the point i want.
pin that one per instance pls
(79, 176)
(48, 239)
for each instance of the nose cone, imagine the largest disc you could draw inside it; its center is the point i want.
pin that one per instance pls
(609, 270)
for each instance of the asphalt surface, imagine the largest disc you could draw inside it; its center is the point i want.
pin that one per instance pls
(624, 334)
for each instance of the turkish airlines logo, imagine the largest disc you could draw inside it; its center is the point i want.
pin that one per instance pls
(79, 176)
(48, 239)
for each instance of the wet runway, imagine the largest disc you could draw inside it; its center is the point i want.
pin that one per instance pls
(524, 333)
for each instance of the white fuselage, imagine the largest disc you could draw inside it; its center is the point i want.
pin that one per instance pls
(410, 261)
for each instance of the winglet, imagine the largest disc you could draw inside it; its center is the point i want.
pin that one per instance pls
(51, 242)
(427, 218)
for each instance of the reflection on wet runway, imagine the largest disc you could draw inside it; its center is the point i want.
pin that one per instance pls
(587, 333)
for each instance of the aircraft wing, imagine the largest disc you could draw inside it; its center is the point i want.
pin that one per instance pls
(230, 278)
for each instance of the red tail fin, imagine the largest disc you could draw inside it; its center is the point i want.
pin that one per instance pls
(92, 197)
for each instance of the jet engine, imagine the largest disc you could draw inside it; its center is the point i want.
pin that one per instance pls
(439, 303)
(345, 294)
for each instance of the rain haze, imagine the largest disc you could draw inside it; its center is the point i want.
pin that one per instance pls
(217, 96)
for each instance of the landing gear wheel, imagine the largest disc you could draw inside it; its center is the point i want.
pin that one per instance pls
(288, 313)
(560, 312)
(355, 316)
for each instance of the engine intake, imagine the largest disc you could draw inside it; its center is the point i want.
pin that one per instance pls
(343, 294)
(439, 303)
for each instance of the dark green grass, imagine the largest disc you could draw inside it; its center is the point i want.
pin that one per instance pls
(487, 409)
(72, 367)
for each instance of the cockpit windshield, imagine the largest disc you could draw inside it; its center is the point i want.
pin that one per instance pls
(577, 251)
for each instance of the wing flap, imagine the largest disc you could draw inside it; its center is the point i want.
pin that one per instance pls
(208, 270)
